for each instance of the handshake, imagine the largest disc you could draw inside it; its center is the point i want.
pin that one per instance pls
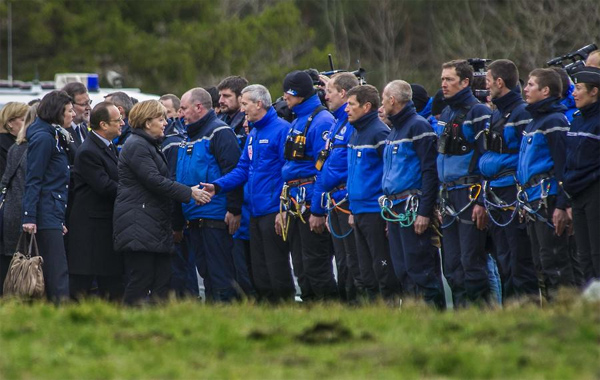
(203, 195)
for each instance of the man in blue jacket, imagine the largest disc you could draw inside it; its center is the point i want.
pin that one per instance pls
(540, 170)
(409, 183)
(210, 151)
(311, 247)
(498, 165)
(365, 169)
(330, 186)
(464, 217)
(260, 169)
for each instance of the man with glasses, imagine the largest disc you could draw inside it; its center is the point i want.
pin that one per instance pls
(82, 105)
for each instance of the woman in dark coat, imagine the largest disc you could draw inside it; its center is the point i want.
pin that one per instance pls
(16, 170)
(143, 209)
(46, 189)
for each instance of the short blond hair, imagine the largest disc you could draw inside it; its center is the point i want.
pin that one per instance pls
(144, 111)
(9, 112)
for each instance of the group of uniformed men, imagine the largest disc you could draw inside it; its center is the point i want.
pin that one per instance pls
(368, 182)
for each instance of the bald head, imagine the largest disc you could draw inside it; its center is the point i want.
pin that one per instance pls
(195, 104)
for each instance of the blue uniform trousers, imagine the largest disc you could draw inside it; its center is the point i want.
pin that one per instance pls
(465, 261)
(512, 249)
(374, 260)
(213, 248)
(416, 260)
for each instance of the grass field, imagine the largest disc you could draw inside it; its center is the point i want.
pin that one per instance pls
(190, 340)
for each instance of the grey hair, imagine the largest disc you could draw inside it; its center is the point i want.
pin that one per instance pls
(400, 90)
(201, 96)
(258, 93)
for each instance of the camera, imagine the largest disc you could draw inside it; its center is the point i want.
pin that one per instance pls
(574, 60)
(478, 65)
(359, 73)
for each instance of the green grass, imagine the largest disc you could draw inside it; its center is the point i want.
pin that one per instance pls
(189, 340)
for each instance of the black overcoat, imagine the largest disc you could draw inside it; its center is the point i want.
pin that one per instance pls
(90, 249)
(143, 210)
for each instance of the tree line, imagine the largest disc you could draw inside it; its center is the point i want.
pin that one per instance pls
(173, 45)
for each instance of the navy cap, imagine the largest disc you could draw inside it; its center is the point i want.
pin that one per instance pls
(298, 83)
(420, 97)
(587, 74)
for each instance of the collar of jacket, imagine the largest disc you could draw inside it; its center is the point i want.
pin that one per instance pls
(154, 141)
(365, 120)
(426, 111)
(591, 110)
(505, 102)
(234, 120)
(401, 117)
(194, 128)
(340, 113)
(546, 106)
(463, 97)
(307, 106)
(266, 120)
(172, 129)
(568, 101)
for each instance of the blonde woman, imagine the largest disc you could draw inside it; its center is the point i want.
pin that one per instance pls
(16, 169)
(142, 225)
(12, 119)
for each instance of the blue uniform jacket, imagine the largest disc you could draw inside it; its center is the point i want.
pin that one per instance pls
(569, 102)
(543, 147)
(365, 163)
(315, 142)
(125, 132)
(47, 179)
(409, 158)
(170, 145)
(453, 167)
(210, 151)
(491, 164)
(426, 111)
(260, 165)
(583, 150)
(335, 170)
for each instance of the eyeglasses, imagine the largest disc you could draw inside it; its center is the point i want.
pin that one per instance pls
(119, 120)
(88, 103)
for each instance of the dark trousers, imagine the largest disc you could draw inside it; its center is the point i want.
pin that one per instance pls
(586, 222)
(147, 273)
(4, 265)
(346, 258)
(184, 280)
(312, 258)
(109, 287)
(374, 258)
(213, 249)
(241, 262)
(416, 258)
(56, 275)
(512, 250)
(550, 252)
(465, 260)
(270, 261)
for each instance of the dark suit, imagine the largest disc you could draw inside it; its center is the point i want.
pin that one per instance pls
(77, 134)
(90, 246)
